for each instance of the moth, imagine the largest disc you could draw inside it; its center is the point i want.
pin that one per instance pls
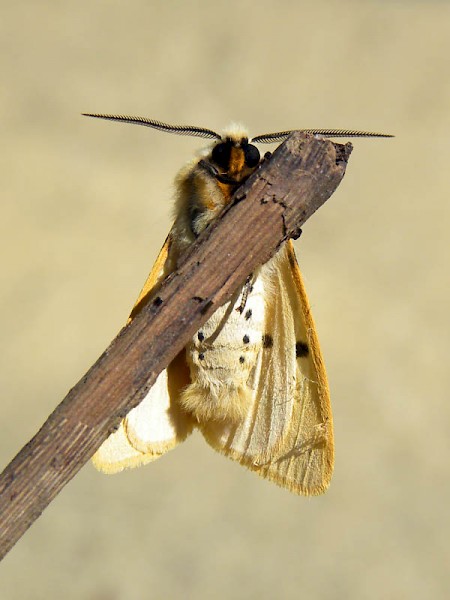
(252, 379)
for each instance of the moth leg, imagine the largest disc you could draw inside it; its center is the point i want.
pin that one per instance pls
(213, 172)
(248, 287)
(208, 167)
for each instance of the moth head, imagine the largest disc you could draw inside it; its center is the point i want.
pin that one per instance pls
(232, 156)
(233, 147)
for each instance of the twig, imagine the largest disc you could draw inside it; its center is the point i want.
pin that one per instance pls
(301, 175)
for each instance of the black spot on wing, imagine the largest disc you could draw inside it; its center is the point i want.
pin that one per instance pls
(267, 340)
(201, 356)
(248, 314)
(201, 336)
(301, 349)
(241, 359)
(246, 339)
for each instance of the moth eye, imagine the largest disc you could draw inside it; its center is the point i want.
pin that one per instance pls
(252, 155)
(221, 154)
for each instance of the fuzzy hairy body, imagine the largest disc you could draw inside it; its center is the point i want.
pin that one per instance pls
(222, 354)
(222, 357)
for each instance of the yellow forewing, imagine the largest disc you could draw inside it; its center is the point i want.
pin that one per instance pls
(157, 424)
(160, 269)
(287, 436)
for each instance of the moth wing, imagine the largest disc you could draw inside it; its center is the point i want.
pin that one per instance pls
(156, 424)
(287, 436)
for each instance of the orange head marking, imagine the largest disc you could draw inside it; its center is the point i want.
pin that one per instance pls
(235, 158)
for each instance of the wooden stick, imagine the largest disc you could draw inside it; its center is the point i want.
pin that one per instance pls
(267, 210)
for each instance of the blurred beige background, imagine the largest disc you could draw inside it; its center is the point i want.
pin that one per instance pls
(86, 206)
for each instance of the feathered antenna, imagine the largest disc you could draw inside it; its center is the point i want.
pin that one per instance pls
(268, 138)
(202, 132)
(178, 129)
